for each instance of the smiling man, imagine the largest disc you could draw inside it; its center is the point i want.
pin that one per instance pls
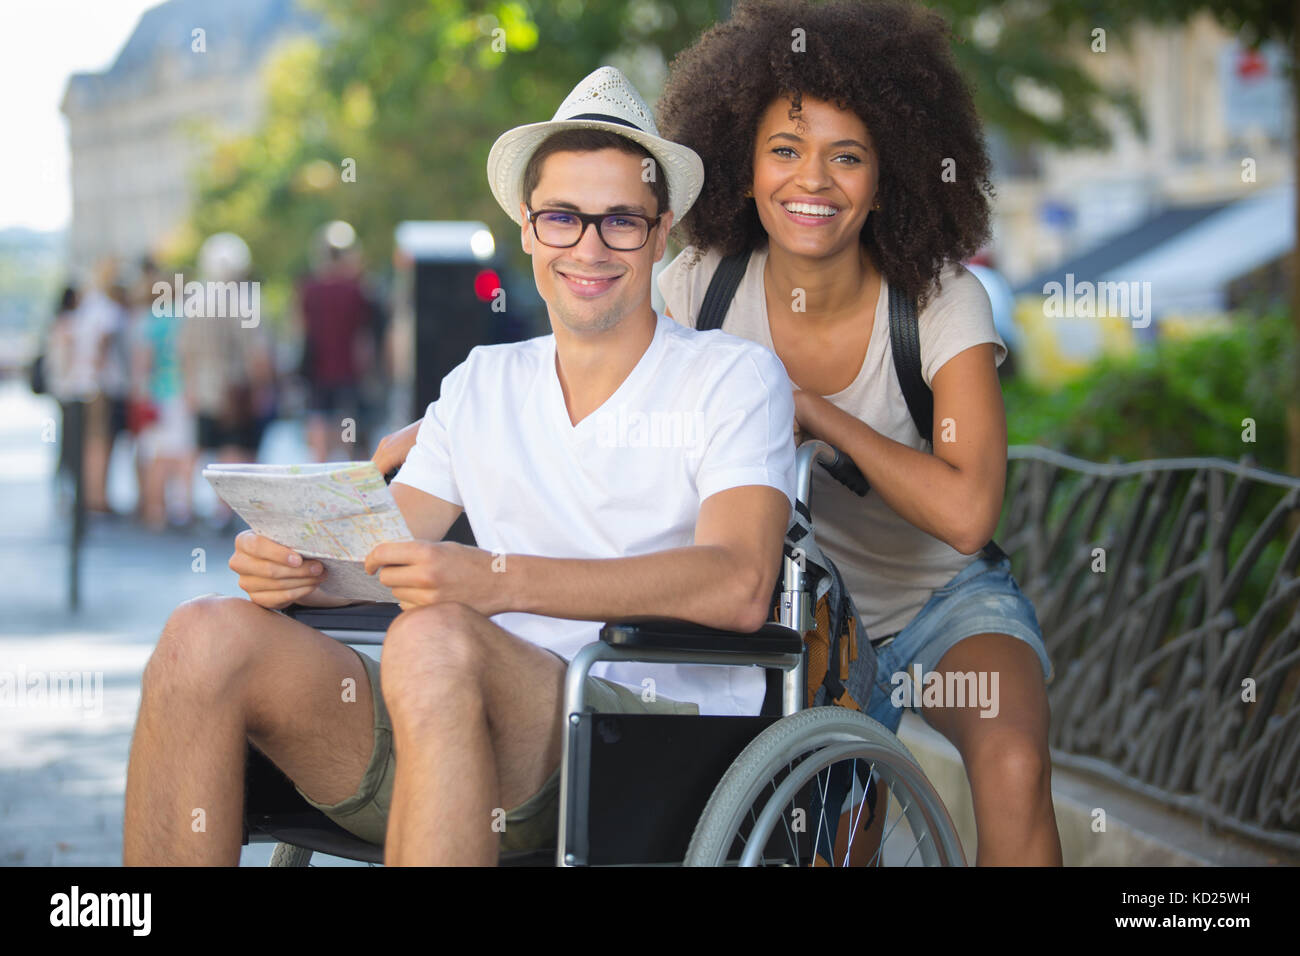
(573, 529)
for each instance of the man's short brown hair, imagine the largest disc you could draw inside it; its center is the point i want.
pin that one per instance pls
(590, 141)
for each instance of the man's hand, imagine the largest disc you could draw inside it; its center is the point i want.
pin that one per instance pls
(394, 448)
(272, 575)
(440, 572)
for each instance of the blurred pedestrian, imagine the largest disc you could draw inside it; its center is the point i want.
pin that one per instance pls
(225, 366)
(335, 316)
(70, 380)
(163, 423)
(101, 330)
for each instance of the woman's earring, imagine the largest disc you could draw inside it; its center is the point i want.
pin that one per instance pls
(877, 205)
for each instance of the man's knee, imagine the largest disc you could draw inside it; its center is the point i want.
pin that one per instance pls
(207, 643)
(430, 654)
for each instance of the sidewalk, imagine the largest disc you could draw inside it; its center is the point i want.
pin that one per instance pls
(63, 768)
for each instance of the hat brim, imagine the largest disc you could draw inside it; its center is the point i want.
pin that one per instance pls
(512, 150)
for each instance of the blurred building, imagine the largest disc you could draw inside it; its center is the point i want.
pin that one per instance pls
(1219, 129)
(131, 128)
(1161, 234)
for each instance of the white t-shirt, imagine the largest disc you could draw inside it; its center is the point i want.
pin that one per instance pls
(891, 567)
(699, 414)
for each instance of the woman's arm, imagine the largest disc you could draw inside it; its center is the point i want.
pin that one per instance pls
(954, 494)
(393, 449)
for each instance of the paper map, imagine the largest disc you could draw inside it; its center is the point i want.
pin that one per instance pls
(334, 512)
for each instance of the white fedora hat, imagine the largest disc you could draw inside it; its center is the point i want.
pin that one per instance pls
(604, 100)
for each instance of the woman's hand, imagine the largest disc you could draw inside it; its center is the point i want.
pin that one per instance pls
(394, 448)
(272, 575)
(440, 572)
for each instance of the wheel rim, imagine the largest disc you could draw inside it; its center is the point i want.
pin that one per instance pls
(789, 765)
(815, 767)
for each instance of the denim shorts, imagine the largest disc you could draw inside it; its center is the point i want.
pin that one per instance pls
(982, 598)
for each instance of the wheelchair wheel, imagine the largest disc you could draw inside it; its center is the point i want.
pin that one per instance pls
(286, 854)
(769, 807)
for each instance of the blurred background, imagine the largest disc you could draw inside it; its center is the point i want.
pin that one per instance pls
(333, 147)
(327, 156)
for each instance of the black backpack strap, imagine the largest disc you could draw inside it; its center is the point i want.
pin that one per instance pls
(722, 287)
(905, 340)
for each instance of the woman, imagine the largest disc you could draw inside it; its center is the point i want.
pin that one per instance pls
(844, 154)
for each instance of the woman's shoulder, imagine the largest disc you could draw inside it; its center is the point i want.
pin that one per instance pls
(955, 285)
(684, 281)
(691, 264)
(956, 316)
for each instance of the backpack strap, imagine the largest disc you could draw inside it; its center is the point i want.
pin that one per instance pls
(722, 288)
(905, 341)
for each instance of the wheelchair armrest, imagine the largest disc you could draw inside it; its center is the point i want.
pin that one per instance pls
(351, 617)
(673, 635)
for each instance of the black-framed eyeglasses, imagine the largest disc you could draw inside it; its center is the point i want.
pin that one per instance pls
(564, 228)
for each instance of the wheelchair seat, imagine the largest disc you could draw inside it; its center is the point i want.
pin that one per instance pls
(276, 812)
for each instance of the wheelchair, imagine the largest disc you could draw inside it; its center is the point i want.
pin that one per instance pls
(792, 786)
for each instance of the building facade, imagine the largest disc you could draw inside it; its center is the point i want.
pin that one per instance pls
(134, 129)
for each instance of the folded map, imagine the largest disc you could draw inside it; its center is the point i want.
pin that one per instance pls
(334, 512)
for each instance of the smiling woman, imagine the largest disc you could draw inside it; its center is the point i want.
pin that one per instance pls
(847, 180)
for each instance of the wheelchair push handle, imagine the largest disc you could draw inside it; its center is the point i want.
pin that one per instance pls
(837, 463)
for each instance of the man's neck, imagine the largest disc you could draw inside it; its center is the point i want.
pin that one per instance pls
(592, 365)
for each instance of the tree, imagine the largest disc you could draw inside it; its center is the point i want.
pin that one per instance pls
(392, 117)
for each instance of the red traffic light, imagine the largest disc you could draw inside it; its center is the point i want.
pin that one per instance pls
(486, 284)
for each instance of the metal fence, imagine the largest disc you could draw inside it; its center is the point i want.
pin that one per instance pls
(1168, 595)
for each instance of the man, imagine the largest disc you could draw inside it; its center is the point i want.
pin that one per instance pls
(622, 466)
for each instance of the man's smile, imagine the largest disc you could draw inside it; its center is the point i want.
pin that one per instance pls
(587, 286)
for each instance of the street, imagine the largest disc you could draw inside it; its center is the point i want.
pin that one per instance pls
(63, 762)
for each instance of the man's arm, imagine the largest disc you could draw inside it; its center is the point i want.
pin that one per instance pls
(724, 580)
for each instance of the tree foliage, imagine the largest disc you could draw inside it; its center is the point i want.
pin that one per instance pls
(414, 92)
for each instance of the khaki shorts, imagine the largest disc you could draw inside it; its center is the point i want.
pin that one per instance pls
(533, 825)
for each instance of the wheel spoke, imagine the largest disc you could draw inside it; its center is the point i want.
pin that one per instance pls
(853, 820)
(881, 849)
(924, 836)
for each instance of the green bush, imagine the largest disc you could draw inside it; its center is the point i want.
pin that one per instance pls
(1174, 399)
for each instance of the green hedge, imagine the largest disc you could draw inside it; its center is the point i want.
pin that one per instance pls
(1176, 398)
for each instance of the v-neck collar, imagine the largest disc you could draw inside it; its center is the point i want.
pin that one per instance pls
(759, 261)
(629, 386)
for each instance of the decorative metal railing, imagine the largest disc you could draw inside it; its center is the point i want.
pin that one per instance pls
(1169, 599)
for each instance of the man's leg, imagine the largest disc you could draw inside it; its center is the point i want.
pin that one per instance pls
(476, 729)
(226, 671)
(1006, 756)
